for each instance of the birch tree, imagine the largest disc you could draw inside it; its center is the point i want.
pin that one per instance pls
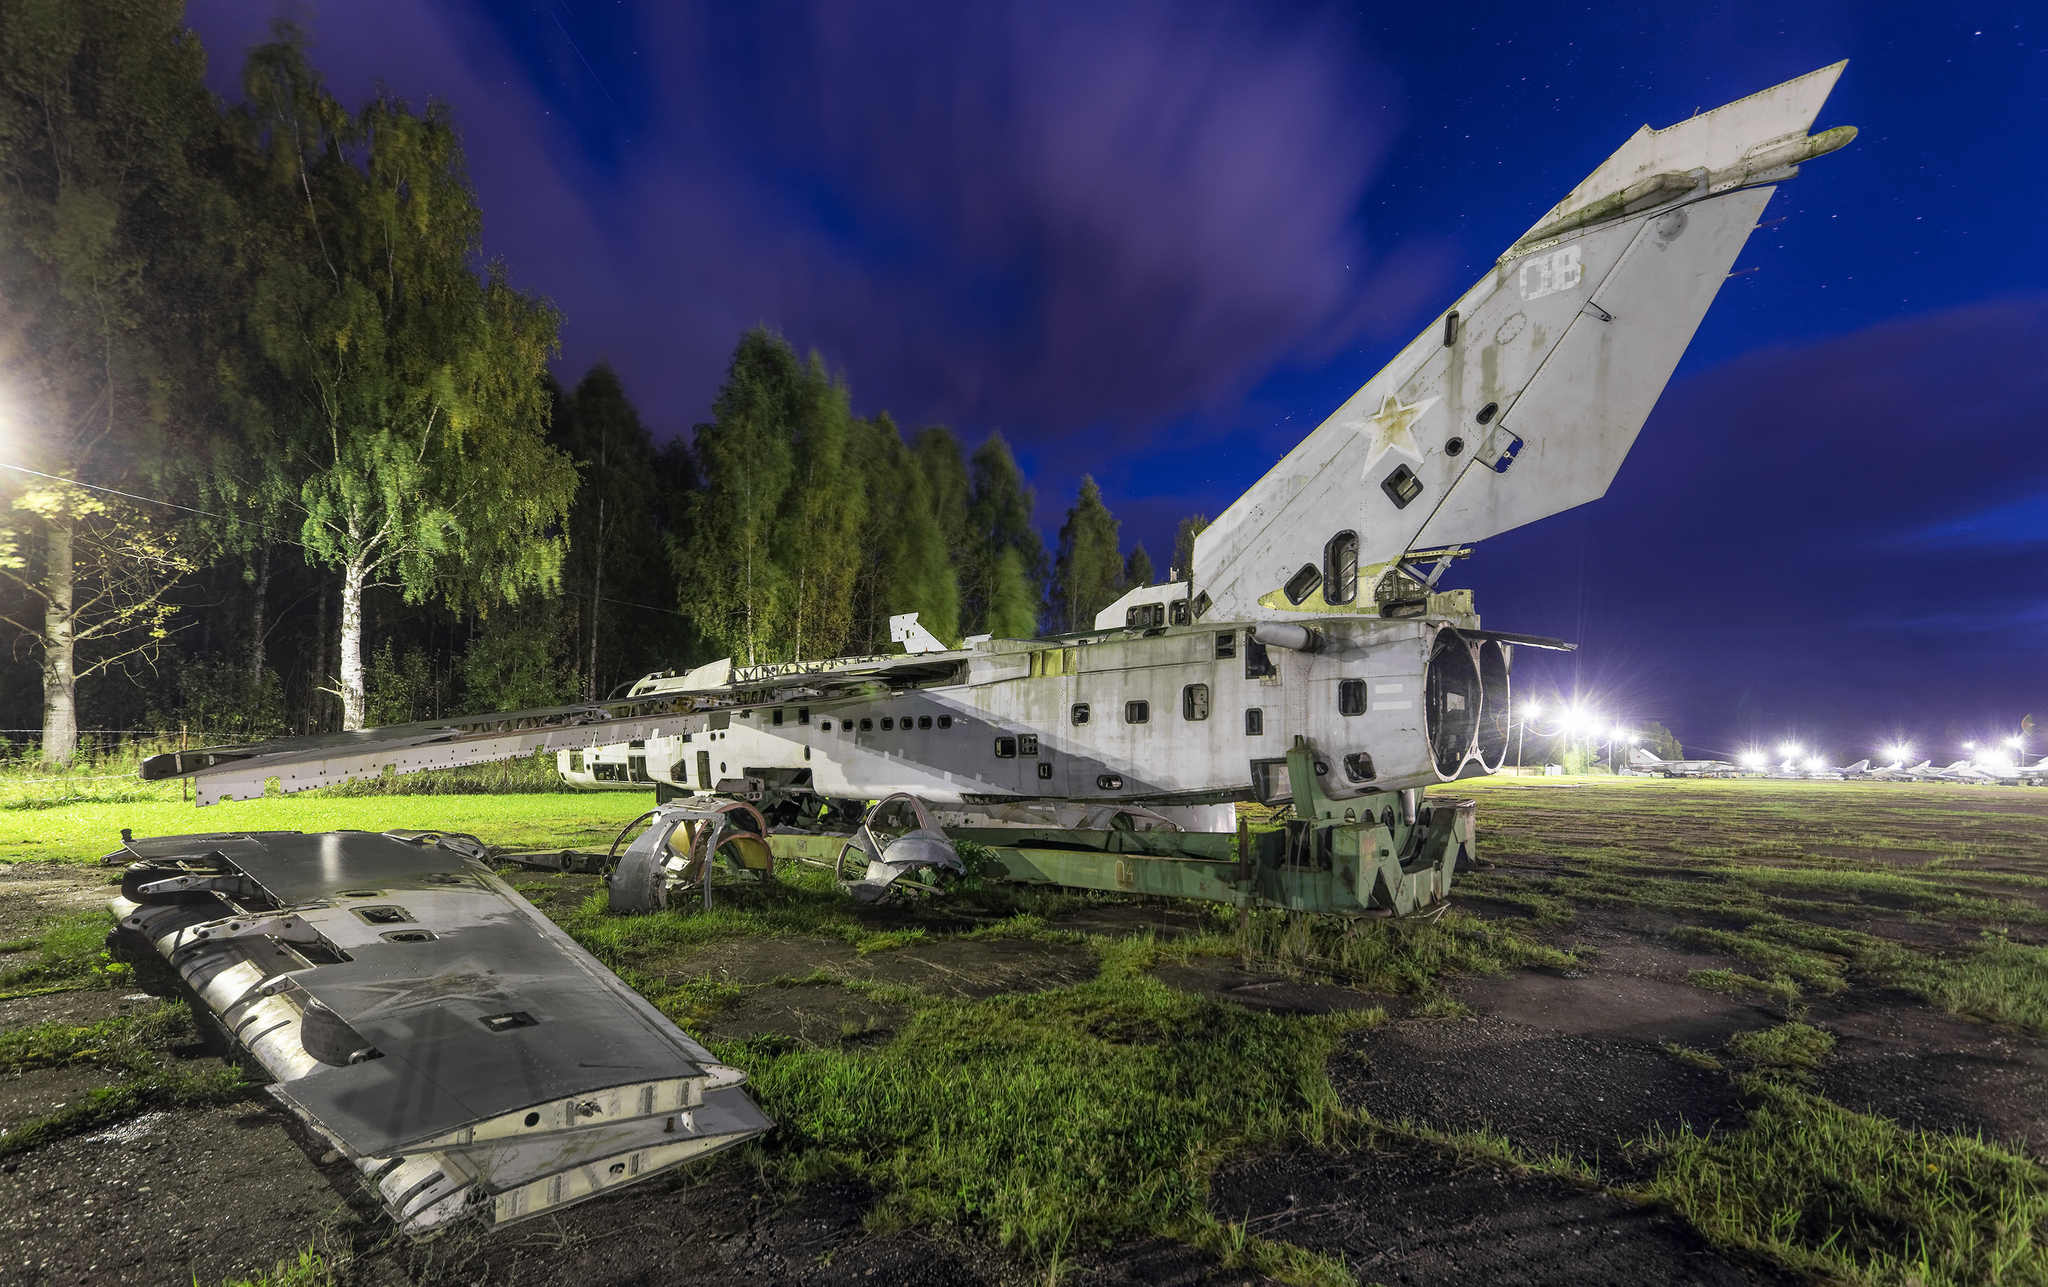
(404, 414)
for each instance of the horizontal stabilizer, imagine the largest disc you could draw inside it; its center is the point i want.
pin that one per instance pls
(1523, 399)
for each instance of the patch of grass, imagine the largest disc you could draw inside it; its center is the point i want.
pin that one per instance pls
(889, 940)
(1395, 956)
(69, 952)
(1854, 1198)
(135, 1046)
(528, 775)
(1794, 1048)
(2003, 981)
(313, 1268)
(1771, 953)
(1086, 1111)
(83, 832)
(1692, 1057)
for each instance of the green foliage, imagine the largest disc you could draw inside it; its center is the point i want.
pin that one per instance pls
(944, 468)
(313, 1267)
(400, 688)
(519, 658)
(220, 697)
(1012, 603)
(1794, 1048)
(1660, 743)
(1855, 1198)
(105, 203)
(1093, 1110)
(69, 951)
(1001, 558)
(1394, 956)
(768, 564)
(2003, 981)
(530, 775)
(397, 408)
(134, 1046)
(1137, 567)
(1088, 575)
(624, 507)
(906, 559)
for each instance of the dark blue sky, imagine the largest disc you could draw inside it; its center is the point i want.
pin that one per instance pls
(1158, 242)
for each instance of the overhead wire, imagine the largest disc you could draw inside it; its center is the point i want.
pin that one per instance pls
(230, 518)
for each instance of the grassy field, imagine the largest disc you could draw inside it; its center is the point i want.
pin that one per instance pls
(1052, 1113)
(83, 830)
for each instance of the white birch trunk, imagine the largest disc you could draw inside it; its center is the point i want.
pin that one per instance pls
(352, 701)
(60, 675)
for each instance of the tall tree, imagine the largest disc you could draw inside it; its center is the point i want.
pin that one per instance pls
(1137, 568)
(819, 521)
(1088, 575)
(999, 509)
(615, 559)
(407, 414)
(105, 205)
(906, 561)
(1012, 599)
(944, 468)
(768, 565)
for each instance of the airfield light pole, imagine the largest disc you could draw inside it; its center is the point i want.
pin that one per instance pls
(1530, 710)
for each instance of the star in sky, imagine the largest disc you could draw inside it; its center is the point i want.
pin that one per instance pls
(1391, 428)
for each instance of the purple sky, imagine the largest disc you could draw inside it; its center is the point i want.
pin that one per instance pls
(1159, 241)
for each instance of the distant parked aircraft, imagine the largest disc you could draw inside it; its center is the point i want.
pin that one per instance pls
(1642, 761)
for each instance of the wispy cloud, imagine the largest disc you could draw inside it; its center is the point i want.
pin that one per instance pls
(1046, 216)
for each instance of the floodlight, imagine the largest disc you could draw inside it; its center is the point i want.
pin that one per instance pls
(1617, 733)
(1789, 749)
(1754, 759)
(1969, 746)
(1816, 765)
(2015, 741)
(1530, 710)
(1898, 752)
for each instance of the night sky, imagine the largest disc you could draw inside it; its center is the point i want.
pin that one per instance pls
(1159, 242)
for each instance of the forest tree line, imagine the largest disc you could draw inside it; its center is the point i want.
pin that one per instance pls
(282, 452)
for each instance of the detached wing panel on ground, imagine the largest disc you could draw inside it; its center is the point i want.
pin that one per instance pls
(426, 1021)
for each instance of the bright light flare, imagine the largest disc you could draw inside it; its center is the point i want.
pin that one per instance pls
(1530, 710)
(1789, 750)
(1816, 765)
(1754, 759)
(2015, 742)
(1901, 752)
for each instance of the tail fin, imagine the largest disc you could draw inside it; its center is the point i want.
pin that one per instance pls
(1860, 766)
(1523, 400)
(1643, 759)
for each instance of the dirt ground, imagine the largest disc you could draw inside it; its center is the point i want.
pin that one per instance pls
(1580, 1062)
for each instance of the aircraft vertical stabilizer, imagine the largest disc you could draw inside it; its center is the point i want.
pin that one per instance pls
(1522, 400)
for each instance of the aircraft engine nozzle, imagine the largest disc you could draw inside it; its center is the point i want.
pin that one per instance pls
(1280, 634)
